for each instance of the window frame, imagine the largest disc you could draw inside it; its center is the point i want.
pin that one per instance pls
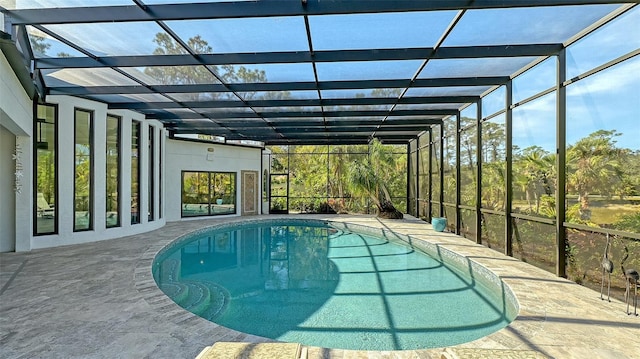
(55, 170)
(151, 140)
(91, 137)
(138, 126)
(119, 137)
(210, 194)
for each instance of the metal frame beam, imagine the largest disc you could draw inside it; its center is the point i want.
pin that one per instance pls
(561, 165)
(299, 114)
(362, 101)
(320, 128)
(508, 173)
(430, 187)
(458, 174)
(462, 52)
(441, 175)
(230, 10)
(337, 137)
(297, 123)
(478, 188)
(416, 202)
(279, 86)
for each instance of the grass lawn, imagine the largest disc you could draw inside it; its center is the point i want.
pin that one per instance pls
(611, 213)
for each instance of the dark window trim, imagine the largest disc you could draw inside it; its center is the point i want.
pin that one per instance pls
(138, 125)
(91, 168)
(119, 166)
(160, 160)
(209, 194)
(35, 167)
(151, 139)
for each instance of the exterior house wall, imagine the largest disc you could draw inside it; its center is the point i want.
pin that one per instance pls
(7, 194)
(184, 155)
(15, 105)
(16, 122)
(171, 158)
(16, 128)
(66, 175)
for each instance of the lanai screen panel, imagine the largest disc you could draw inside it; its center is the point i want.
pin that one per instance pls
(292, 71)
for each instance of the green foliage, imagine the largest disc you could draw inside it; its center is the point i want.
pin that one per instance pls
(312, 205)
(39, 45)
(319, 174)
(82, 184)
(468, 162)
(629, 223)
(179, 75)
(595, 165)
(45, 175)
(370, 175)
(534, 178)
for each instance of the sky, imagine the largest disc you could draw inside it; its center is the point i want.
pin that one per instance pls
(607, 100)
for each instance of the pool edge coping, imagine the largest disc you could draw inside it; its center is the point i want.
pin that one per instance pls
(146, 285)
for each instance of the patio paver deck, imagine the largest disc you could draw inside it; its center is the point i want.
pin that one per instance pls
(98, 300)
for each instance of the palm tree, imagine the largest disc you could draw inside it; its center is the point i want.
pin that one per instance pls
(534, 172)
(594, 165)
(369, 177)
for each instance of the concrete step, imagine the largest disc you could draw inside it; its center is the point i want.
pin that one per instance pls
(198, 298)
(177, 291)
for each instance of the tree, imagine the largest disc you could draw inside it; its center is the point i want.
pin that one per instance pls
(594, 166)
(493, 165)
(38, 44)
(200, 74)
(468, 162)
(370, 176)
(534, 172)
(493, 142)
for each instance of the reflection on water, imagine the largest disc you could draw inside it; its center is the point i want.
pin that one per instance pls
(308, 283)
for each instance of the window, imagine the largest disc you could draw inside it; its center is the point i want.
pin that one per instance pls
(83, 198)
(46, 169)
(151, 173)
(135, 172)
(208, 193)
(160, 159)
(112, 194)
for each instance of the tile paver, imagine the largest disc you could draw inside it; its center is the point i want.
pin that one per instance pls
(98, 300)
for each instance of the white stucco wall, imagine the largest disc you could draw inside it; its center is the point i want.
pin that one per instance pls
(15, 106)
(16, 225)
(7, 194)
(192, 156)
(66, 214)
(16, 122)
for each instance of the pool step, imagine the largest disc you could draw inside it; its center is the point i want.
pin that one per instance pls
(177, 291)
(335, 233)
(218, 301)
(198, 298)
(204, 299)
(170, 270)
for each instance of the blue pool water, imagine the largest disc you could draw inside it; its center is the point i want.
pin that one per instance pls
(306, 282)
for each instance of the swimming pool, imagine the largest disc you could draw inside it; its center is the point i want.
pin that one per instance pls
(333, 285)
